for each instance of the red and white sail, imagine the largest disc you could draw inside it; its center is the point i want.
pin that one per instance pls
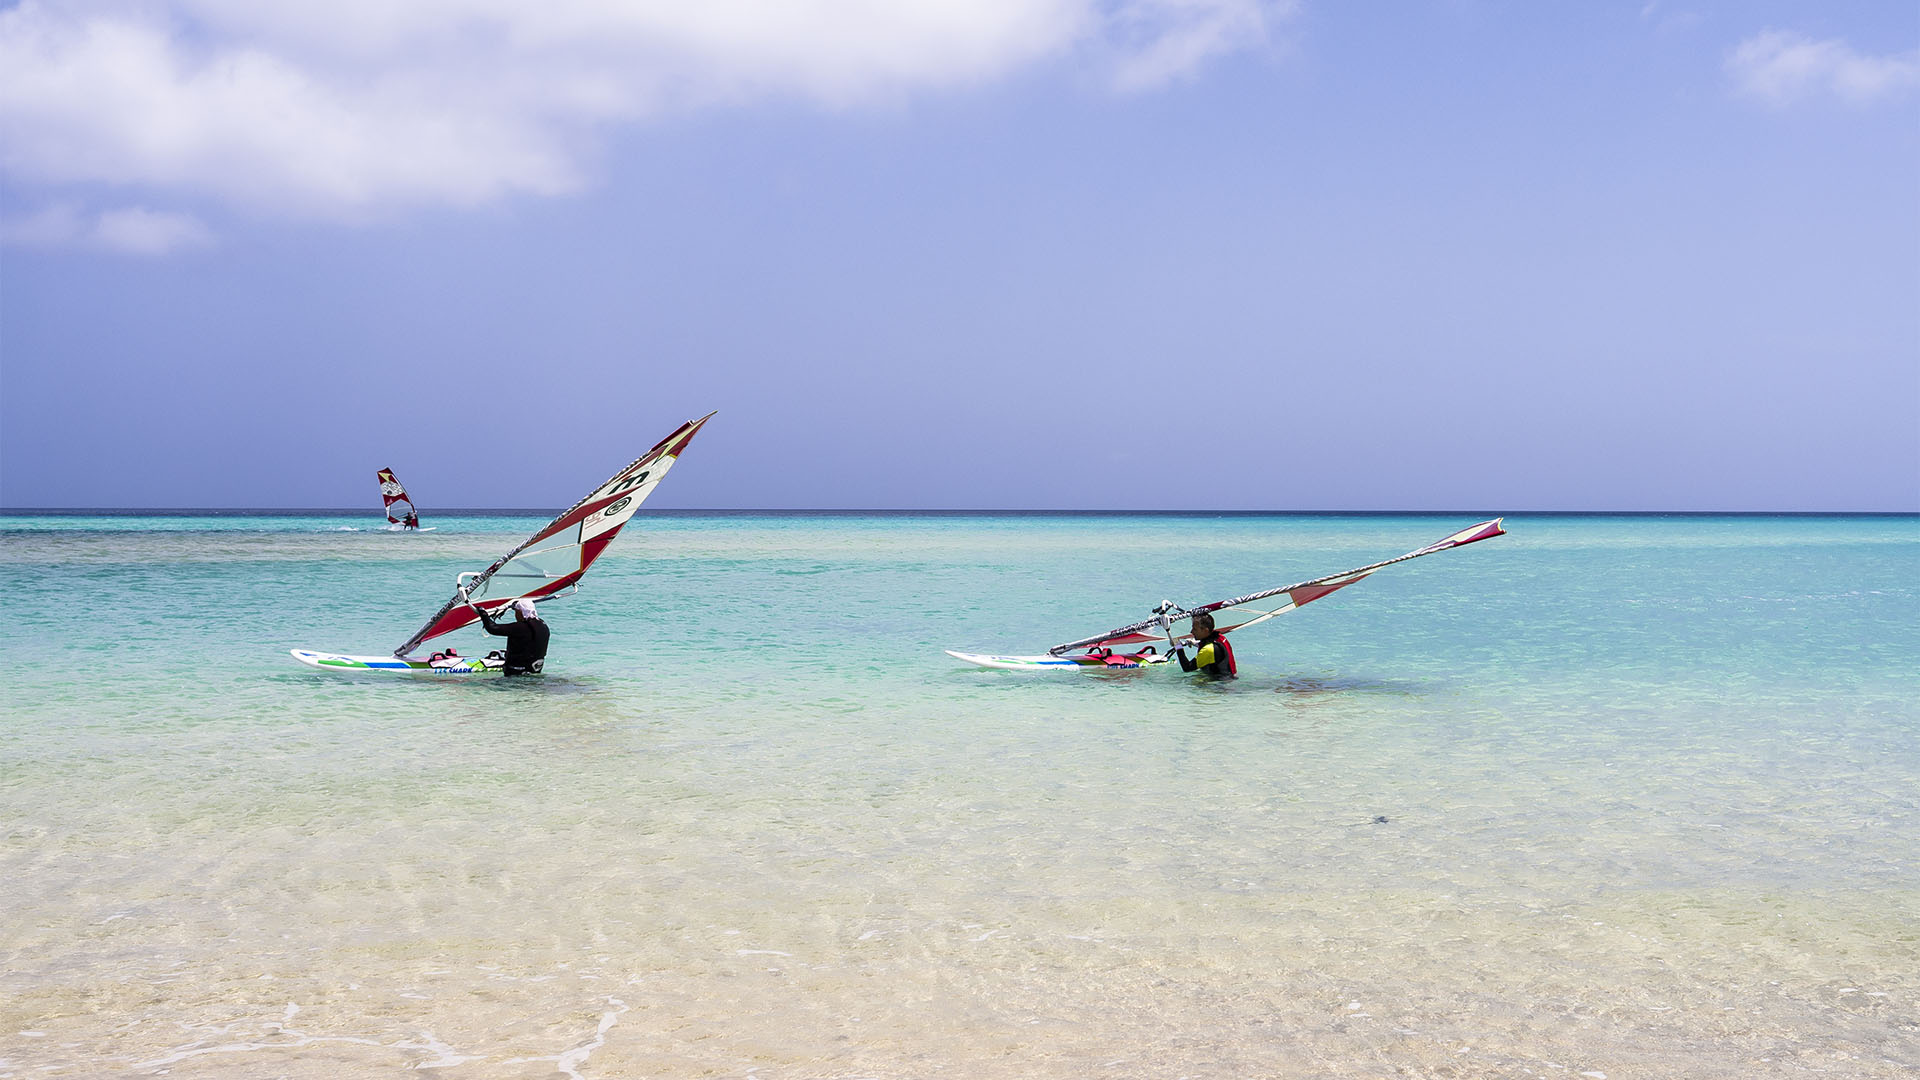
(1244, 611)
(399, 506)
(558, 555)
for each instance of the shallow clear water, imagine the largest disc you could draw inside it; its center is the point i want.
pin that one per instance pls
(1651, 789)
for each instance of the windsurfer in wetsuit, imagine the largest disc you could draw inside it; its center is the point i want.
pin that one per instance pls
(1214, 655)
(412, 520)
(526, 637)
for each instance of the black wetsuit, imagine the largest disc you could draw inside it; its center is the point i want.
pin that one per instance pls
(1215, 658)
(526, 643)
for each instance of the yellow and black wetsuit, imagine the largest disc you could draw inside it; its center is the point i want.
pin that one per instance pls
(1215, 657)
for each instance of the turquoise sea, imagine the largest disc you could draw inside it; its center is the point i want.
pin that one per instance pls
(1650, 790)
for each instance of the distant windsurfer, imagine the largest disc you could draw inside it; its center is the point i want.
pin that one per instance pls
(412, 520)
(1213, 654)
(526, 637)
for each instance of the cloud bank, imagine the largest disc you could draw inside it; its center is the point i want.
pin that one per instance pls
(1780, 67)
(350, 108)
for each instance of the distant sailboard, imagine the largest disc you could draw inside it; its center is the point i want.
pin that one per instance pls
(401, 513)
(1140, 644)
(549, 563)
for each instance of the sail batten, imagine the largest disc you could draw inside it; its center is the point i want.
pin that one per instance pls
(551, 559)
(1257, 607)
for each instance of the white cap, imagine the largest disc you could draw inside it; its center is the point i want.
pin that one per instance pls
(524, 607)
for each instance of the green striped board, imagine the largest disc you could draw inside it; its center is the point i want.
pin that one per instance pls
(397, 665)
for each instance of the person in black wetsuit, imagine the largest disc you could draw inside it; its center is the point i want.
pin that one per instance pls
(526, 638)
(1214, 655)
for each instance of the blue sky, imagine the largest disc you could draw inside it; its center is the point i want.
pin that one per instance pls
(1050, 254)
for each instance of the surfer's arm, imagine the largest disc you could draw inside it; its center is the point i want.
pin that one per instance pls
(486, 620)
(1180, 654)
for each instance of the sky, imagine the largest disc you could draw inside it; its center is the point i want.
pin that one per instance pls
(970, 254)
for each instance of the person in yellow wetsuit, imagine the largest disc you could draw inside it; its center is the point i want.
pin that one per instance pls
(1212, 655)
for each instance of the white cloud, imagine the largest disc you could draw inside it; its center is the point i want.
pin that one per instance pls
(348, 107)
(1669, 21)
(1167, 39)
(1781, 67)
(139, 231)
(133, 230)
(54, 226)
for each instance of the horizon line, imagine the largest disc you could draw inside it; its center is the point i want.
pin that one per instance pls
(506, 511)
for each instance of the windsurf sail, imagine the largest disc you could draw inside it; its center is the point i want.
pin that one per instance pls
(556, 557)
(399, 506)
(1173, 623)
